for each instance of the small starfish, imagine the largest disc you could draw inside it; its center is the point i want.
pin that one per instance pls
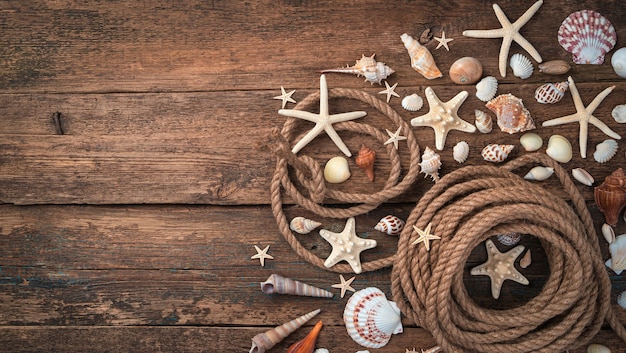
(509, 33)
(262, 255)
(443, 41)
(425, 236)
(323, 121)
(500, 267)
(443, 117)
(286, 97)
(389, 91)
(344, 285)
(395, 137)
(584, 116)
(347, 246)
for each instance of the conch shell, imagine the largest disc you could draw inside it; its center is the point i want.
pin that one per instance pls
(303, 225)
(365, 160)
(430, 164)
(422, 60)
(610, 196)
(307, 344)
(512, 115)
(368, 67)
(268, 339)
(281, 285)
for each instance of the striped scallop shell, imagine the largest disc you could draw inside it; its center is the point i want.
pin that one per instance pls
(430, 164)
(412, 102)
(486, 89)
(588, 36)
(390, 224)
(605, 150)
(550, 93)
(277, 284)
(460, 151)
(371, 319)
(496, 153)
(521, 65)
(483, 122)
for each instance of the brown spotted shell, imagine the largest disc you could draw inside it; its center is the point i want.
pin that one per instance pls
(496, 153)
(512, 115)
(550, 93)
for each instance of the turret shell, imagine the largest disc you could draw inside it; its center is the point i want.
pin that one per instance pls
(422, 60)
(460, 151)
(605, 150)
(521, 65)
(486, 89)
(265, 341)
(483, 122)
(303, 225)
(277, 284)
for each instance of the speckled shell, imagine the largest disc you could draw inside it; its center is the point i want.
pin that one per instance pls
(531, 141)
(511, 113)
(618, 61)
(588, 36)
(265, 341)
(554, 67)
(559, 148)
(390, 224)
(539, 173)
(460, 151)
(483, 121)
(466, 71)
(422, 60)
(412, 102)
(496, 153)
(336, 170)
(486, 89)
(277, 284)
(521, 65)
(430, 164)
(368, 67)
(619, 113)
(605, 150)
(509, 239)
(365, 160)
(303, 225)
(550, 93)
(582, 176)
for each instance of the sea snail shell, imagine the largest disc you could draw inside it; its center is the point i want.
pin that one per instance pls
(466, 71)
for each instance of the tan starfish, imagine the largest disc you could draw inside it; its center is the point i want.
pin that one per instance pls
(443, 41)
(443, 117)
(389, 91)
(584, 116)
(323, 121)
(262, 255)
(509, 33)
(344, 285)
(500, 267)
(347, 246)
(286, 97)
(425, 236)
(394, 137)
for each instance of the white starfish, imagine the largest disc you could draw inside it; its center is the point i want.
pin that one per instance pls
(323, 121)
(443, 41)
(262, 255)
(394, 137)
(425, 236)
(286, 97)
(509, 33)
(443, 117)
(347, 246)
(344, 285)
(584, 116)
(389, 91)
(500, 267)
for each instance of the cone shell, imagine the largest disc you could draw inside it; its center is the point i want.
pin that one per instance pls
(521, 65)
(486, 89)
(466, 71)
(460, 151)
(277, 284)
(559, 148)
(617, 262)
(268, 339)
(430, 164)
(539, 173)
(371, 319)
(605, 150)
(610, 196)
(336, 170)
(483, 123)
(496, 153)
(368, 67)
(307, 344)
(509, 239)
(303, 225)
(531, 141)
(511, 113)
(390, 224)
(412, 102)
(588, 36)
(619, 113)
(582, 176)
(554, 67)
(550, 93)
(422, 60)
(365, 160)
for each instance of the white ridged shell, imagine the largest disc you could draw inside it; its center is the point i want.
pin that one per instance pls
(430, 164)
(597, 348)
(371, 319)
(483, 122)
(531, 141)
(588, 36)
(621, 299)
(390, 224)
(619, 113)
(303, 225)
(336, 170)
(550, 93)
(486, 89)
(608, 233)
(496, 153)
(521, 65)
(412, 102)
(460, 151)
(559, 148)
(617, 262)
(582, 176)
(618, 61)
(539, 173)
(605, 150)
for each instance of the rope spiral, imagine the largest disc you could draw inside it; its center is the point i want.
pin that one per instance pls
(466, 207)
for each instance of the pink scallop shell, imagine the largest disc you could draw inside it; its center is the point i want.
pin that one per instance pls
(588, 36)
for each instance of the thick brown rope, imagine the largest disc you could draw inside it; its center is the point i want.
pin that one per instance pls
(468, 206)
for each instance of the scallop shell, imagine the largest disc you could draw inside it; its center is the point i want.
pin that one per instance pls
(582, 176)
(430, 164)
(539, 173)
(588, 36)
(268, 339)
(466, 71)
(460, 151)
(422, 60)
(525, 261)
(365, 160)
(621, 299)
(277, 284)
(511, 114)
(597, 348)
(496, 153)
(412, 102)
(550, 93)
(559, 148)
(303, 225)
(336, 170)
(608, 233)
(619, 113)
(509, 239)
(371, 319)
(618, 61)
(486, 89)
(368, 67)
(554, 67)
(521, 65)
(483, 122)
(531, 141)
(617, 262)
(605, 150)
(390, 224)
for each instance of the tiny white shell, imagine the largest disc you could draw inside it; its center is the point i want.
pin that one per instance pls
(531, 141)
(337, 170)
(608, 233)
(605, 150)
(460, 151)
(618, 61)
(486, 89)
(521, 65)
(582, 176)
(539, 173)
(483, 123)
(559, 148)
(412, 102)
(619, 113)
(621, 299)
(597, 348)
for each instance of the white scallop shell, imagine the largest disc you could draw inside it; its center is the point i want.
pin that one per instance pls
(531, 141)
(430, 164)
(303, 225)
(597, 348)
(582, 176)
(619, 113)
(617, 262)
(460, 151)
(412, 102)
(371, 319)
(605, 150)
(618, 61)
(496, 153)
(588, 36)
(539, 173)
(559, 148)
(550, 93)
(608, 233)
(521, 65)
(483, 123)
(336, 170)
(486, 89)
(390, 224)
(621, 299)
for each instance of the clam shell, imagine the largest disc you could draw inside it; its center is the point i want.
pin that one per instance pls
(422, 60)
(336, 170)
(531, 141)
(608, 233)
(460, 151)
(412, 102)
(277, 284)
(619, 113)
(582, 176)
(265, 341)
(509, 239)
(430, 164)
(303, 225)
(365, 160)
(466, 71)
(618, 61)
(559, 148)
(554, 67)
(539, 173)
(550, 93)
(617, 262)
(605, 150)
(588, 36)
(511, 113)
(521, 65)
(390, 224)
(486, 89)
(597, 348)
(483, 122)
(621, 299)
(371, 319)
(496, 153)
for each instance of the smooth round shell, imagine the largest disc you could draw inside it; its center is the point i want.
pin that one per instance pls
(460, 151)
(336, 170)
(597, 348)
(559, 148)
(618, 61)
(466, 71)
(521, 65)
(608, 233)
(486, 89)
(539, 173)
(554, 67)
(531, 141)
(619, 113)
(605, 150)
(303, 225)
(412, 102)
(582, 176)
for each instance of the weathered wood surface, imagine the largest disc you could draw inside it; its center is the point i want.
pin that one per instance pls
(133, 230)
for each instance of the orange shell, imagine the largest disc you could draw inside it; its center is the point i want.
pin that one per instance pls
(422, 60)
(307, 344)
(466, 71)
(610, 196)
(365, 160)
(512, 116)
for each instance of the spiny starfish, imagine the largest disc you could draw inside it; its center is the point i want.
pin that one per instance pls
(390, 91)
(347, 246)
(262, 255)
(323, 121)
(584, 116)
(443, 41)
(344, 285)
(285, 97)
(500, 267)
(509, 33)
(394, 137)
(425, 236)
(443, 117)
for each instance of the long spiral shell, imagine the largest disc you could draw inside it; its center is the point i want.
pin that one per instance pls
(268, 339)
(303, 225)
(281, 285)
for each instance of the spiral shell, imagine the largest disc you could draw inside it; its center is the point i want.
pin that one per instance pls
(368, 67)
(509, 239)
(460, 151)
(390, 224)
(496, 153)
(466, 71)
(303, 225)
(618, 61)
(550, 93)
(486, 89)
(582, 176)
(531, 141)
(610, 196)
(619, 113)
(365, 160)
(422, 60)
(588, 36)
(554, 67)
(521, 65)
(559, 148)
(430, 164)
(483, 122)
(605, 150)
(277, 284)
(512, 115)
(539, 173)
(265, 341)
(412, 102)
(617, 262)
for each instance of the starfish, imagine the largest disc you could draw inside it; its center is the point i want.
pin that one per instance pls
(344, 285)
(500, 267)
(509, 33)
(286, 97)
(323, 121)
(443, 41)
(262, 255)
(346, 246)
(584, 116)
(425, 236)
(443, 117)
(389, 91)
(395, 137)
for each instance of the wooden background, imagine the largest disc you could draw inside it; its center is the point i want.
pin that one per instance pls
(133, 230)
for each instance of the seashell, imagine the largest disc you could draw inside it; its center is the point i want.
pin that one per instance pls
(559, 148)
(430, 164)
(303, 225)
(307, 344)
(605, 150)
(365, 160)
(582, 176)
(321, 350)
(422, 60)
(610, 196)
(550, 93)
(619, 113)
(554, 67)
(521, 65)
(336, 170)
(277, 284)
(390, 224)
(483, 122)
(371, 319)
(617, 262)
(588, 36)
(368, 67)
(466, 71)
(608, 233)
(509, 239)
(525, 261)
(621, 299)
(496, 153)
(511, 114)
(486, 89)
(412, 102)
(531, 141)
(539, 173)
(460, 151)
(618, 61)
(597, 348)
(268, 339)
